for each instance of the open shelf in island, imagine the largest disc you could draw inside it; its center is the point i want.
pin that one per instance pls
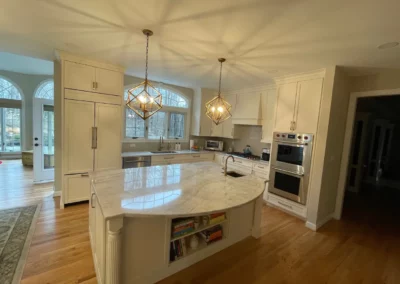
(215, 231)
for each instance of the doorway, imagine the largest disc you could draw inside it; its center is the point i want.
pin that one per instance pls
(369, 159)
(43, 144)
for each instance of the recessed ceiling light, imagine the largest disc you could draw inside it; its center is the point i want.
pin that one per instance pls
(389, 45)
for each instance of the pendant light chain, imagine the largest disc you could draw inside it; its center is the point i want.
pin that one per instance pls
(147, 58)
(220, 76)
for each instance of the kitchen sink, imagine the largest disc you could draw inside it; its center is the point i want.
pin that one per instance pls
(234, 174)
(163, 152)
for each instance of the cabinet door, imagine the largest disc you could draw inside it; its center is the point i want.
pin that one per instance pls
(109, 82)
(227, 126)
(79, 77)
(248, 107)
(268, 101)
(216, 130)
(76, 188)
(308, 104)
(285, 105)
(108, 124)
(78, 124)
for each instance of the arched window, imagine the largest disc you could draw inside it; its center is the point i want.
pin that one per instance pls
(169, 122)
(10, 116)
(45, 90)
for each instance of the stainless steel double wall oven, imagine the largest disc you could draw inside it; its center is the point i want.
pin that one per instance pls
(290, 165)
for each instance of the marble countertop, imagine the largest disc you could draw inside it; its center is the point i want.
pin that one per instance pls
(141, 154)
(172, 190)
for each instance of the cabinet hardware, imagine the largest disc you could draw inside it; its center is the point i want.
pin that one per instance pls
(97, 85)
(85, 175)
(93, 86)
(94, 137)
(283, 204)
(194, 156)
(294, 125)
(91, 200)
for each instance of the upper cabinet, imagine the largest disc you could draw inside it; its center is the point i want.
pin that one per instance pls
(87, 78)
(298, 104)
(268, 102)
(248, 109)
(202, 125)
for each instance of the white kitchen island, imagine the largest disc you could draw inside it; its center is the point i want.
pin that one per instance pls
(132, 212)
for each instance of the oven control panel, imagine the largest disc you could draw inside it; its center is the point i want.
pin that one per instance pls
(293, 137)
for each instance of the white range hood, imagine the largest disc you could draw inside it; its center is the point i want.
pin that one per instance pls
(248, 109)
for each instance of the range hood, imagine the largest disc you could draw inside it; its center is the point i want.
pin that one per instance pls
(248, 109)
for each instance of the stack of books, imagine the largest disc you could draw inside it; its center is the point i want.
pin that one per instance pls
(212, 235)
(177, 249)
(181, 227)
(217, 218)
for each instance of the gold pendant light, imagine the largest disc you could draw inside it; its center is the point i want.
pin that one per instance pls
(218, 109)
(144, 99)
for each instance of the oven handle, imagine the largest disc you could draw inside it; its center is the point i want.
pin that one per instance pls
(288, 172)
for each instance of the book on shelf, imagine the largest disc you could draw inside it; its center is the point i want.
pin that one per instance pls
(177, 249)
(211, 234)
(216, 218)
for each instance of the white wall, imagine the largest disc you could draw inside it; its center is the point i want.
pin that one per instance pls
(382, 79)
(334, 146)
(27, 84)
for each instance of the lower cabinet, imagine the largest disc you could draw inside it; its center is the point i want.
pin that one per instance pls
(181, 159)
(76, 188)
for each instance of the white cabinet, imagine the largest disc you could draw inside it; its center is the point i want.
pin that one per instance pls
(109, 82)
(285, 106)
(87, 78)
(297, 107)
(248, 109)
(181, 158)
(201, 124)
(308, 105)
(108, 148)
(78, 126)
(79, 76)
(77, 188)
(268, 102)
(228, 129)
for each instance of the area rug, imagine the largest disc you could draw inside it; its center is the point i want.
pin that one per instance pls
(17, 226)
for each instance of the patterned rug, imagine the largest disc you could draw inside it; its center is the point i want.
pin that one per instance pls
(17, 226)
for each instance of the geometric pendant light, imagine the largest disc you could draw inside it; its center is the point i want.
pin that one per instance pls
(218, 109)
(144, 99)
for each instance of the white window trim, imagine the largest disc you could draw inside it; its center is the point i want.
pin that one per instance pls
(39, 86)
(22, 117)
(168, 109)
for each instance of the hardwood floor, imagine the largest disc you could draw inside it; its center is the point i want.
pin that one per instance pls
(362, 248)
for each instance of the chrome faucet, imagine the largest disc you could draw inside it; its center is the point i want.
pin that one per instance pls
(226, 162)
(161, 146)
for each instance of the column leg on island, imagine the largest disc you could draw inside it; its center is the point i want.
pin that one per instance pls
(256, 230)
(113, 257)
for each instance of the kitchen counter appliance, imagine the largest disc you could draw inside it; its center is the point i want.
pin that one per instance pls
(136, 162)
(290, 165)
(214, 145)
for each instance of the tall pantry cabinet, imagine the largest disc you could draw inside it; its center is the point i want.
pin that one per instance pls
(88, 123)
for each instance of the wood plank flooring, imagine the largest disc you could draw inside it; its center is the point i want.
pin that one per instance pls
(362, 248)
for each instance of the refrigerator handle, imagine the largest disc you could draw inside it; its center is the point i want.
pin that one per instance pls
(94, 137)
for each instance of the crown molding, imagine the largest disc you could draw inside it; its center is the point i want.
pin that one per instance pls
(63, 55)
(315, 74)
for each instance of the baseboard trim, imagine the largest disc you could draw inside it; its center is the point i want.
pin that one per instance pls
(311, 226)
(319, 224)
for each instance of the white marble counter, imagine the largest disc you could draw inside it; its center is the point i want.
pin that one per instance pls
(182, 189)
(141, 154)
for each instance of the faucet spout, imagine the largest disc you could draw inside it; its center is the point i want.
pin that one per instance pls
(226, 163)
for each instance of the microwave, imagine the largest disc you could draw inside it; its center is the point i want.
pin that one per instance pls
(214, 145)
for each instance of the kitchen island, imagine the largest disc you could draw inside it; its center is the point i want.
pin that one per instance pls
(142, 221)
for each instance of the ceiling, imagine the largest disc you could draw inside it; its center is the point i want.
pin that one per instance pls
(261, 39)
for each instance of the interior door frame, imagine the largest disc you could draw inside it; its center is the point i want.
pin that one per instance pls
(38, 159)
(345, 160)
